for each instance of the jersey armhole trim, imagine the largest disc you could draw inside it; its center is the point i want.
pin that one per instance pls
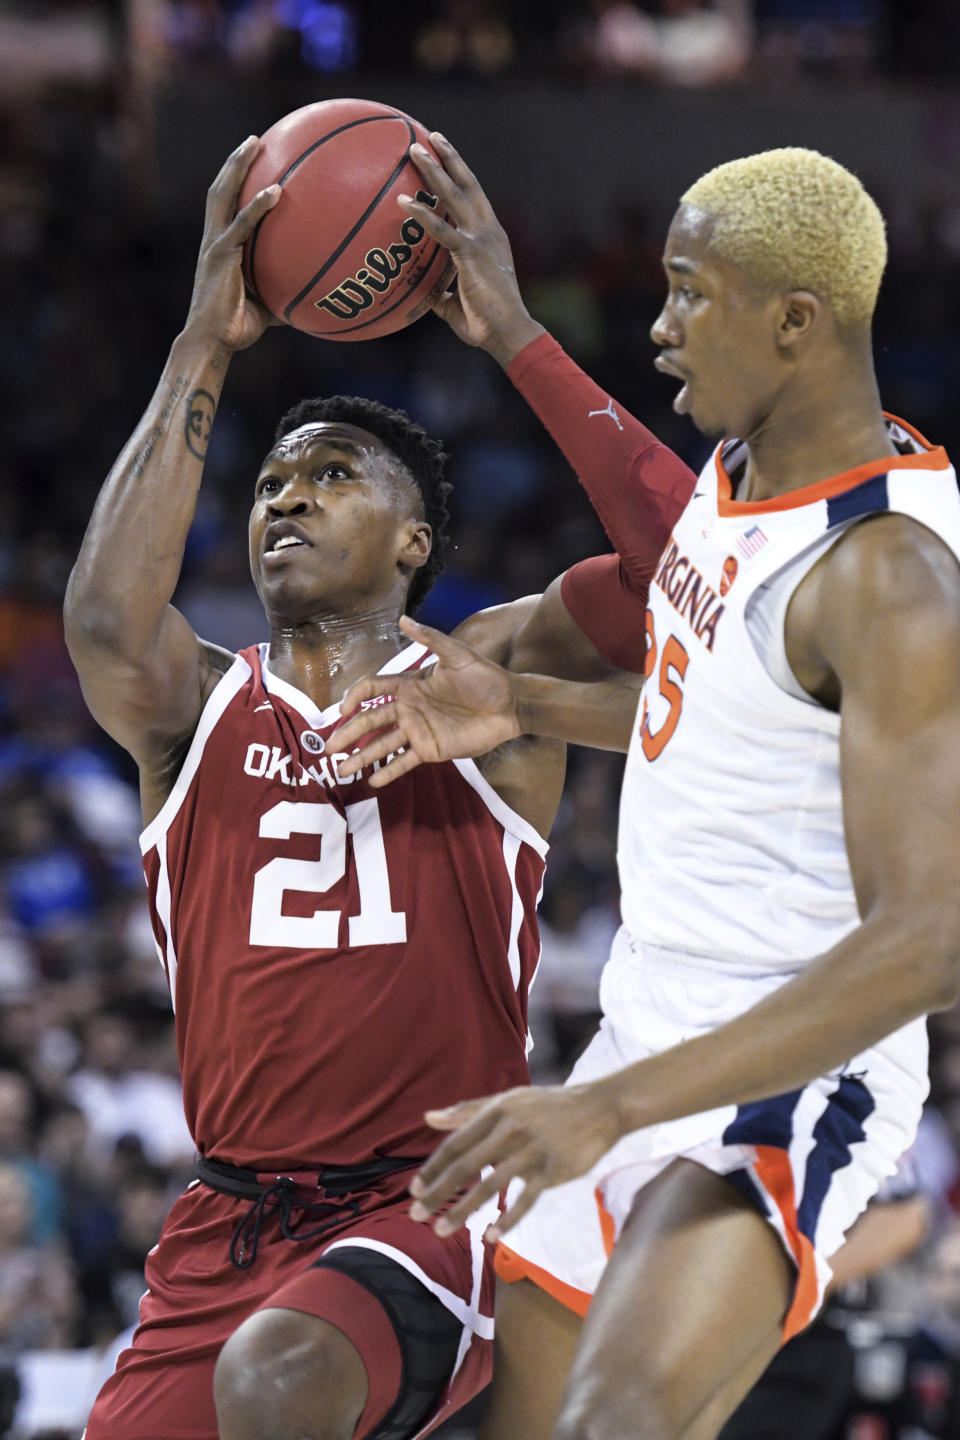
(223, 692)
(500, 810)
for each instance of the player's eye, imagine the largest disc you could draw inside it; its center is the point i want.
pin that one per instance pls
(687, 293)
(334, 471)
(268, 485)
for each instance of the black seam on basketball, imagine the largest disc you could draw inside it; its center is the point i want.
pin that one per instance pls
(332, 134)
(349, 329)
(350, 125)
(359, 226)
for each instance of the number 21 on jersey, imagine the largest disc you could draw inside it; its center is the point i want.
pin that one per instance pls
(670, 676)
(376, 924)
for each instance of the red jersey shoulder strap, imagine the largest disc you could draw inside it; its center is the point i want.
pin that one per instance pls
(225, 690)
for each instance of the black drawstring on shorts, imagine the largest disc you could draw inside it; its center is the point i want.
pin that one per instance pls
(283, 1195)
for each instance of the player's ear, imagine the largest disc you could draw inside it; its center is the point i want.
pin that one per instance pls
(798, 316)
(416, 542)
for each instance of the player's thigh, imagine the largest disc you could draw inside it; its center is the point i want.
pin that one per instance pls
(709, 1423)
(803, 1394)
(696, 1288)
(533, 1348)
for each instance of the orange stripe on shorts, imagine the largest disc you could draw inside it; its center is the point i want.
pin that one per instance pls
(608, 1227)
(775, 1175)
(510, 1267)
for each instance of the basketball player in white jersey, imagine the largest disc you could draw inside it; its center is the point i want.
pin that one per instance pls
(789, 837)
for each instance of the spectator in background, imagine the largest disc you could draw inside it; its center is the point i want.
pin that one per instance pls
(590, 799)
(121, 1099)
(839, 37)
(47, 879)
(466, 37)
(54, 44)
(112, 1279)
(575, 934)
(90, 1220)
(19, 1119)
(691, 43)
(38, 1299)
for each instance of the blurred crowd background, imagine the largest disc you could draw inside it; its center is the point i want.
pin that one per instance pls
(584, 119)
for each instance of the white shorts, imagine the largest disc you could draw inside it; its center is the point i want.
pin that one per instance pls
(809, 1160)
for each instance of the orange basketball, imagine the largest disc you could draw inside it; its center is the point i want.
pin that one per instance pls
(336, 256)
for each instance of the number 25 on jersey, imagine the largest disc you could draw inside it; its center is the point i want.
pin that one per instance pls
(670, 675)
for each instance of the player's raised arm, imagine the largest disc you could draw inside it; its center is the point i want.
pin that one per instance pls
(637, 486)
(144, 673)
(588, 625)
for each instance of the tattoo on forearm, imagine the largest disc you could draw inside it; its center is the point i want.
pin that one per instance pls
(201, 408)
(142, 459)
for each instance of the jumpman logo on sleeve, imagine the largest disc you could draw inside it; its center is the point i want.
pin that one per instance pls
(609, 410)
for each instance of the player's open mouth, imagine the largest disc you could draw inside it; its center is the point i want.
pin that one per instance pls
(682, 397)
(283, 550)
(282, 538)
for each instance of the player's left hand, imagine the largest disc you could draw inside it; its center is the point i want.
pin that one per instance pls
(222, 311)
(486, 309)
(462, 706)
(543, 1134)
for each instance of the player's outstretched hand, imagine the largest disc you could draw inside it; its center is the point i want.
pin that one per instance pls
(486, 309)
(543, 1134)
(462, 706)
(221, 311)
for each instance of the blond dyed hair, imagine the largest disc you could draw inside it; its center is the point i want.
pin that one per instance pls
(795, 219)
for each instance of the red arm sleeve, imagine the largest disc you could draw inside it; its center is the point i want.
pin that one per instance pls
(636, 485)
(610, 611)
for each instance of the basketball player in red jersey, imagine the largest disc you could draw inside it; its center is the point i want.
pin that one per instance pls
(337, 960)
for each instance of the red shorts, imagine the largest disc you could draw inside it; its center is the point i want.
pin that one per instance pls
(162, 1387)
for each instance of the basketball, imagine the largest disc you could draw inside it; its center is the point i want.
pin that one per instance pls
(337, 257)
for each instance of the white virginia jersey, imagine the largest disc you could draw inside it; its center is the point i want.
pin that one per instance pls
(731, 837)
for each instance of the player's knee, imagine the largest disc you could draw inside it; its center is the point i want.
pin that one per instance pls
(283, 1375)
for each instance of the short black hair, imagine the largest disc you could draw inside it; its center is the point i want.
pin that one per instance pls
(423, 457)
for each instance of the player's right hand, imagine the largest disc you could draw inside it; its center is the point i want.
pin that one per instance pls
(486, 309)
(542, 1134)
(461, 707)
(221, 312)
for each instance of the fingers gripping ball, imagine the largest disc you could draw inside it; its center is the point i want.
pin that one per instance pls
(337, 257)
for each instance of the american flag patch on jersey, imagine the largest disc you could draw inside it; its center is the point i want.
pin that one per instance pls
(751, 541)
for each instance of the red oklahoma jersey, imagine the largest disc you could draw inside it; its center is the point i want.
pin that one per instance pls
(340, 959)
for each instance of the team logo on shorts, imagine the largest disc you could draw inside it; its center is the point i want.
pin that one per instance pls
(313, 742)
(730, 568)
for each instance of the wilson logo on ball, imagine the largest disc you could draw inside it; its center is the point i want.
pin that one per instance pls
(380, 270)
